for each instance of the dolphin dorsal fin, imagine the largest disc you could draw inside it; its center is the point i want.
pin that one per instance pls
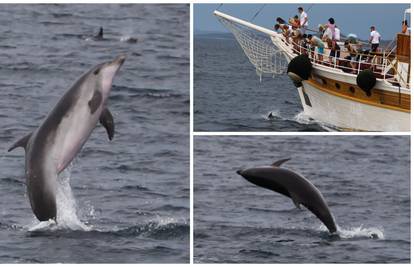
(22, 142)
(279, 162)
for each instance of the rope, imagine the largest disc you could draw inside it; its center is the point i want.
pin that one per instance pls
(219, 7)
(309, 8)
(257, 13)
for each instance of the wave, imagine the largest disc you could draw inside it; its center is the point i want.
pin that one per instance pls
(163, 229)
(167, 228)
(129, 92)
(68, 223)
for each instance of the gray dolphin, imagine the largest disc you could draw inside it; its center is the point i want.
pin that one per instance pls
(99, 36)
(52, 146)
(293, 185)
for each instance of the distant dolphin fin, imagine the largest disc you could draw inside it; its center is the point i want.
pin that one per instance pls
(107, 121)
(95, 102)
(21, 143)
(279, 162)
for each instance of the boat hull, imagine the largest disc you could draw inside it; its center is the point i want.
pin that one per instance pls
(347, 114)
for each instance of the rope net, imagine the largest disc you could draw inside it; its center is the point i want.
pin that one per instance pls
(258, 47)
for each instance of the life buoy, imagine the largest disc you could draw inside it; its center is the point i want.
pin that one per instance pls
(299, 69)
(366, 81)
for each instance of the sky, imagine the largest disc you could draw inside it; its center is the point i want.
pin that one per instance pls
(350, 18)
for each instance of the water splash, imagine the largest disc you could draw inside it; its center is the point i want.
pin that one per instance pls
(67, 217)
(66, 204)
(304, 119)
(273, 114)
(361, 232)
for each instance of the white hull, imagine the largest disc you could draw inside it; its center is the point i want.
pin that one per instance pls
(348, 114)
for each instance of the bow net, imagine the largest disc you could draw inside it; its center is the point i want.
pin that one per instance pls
(258, 47)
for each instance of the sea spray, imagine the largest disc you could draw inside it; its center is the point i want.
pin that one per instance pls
(66, 204)
(361, 232)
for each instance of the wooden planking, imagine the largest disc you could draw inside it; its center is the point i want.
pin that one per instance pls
(380, 98)
(403, 47)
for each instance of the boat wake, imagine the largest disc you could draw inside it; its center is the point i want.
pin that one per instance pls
(299, 118)
(306, 120)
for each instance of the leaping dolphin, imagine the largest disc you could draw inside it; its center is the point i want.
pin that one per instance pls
(293, 185)
(52, 146)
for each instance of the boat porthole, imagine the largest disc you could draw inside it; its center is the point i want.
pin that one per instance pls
(352, 89)
(337, 86)
(324, 81)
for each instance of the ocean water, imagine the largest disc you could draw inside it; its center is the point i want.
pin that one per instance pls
(364, 179)
(229, 96)
(121, 201)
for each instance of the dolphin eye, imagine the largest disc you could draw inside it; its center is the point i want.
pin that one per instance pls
(97, 71)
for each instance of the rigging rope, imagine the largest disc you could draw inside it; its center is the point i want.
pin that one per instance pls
(257, 13)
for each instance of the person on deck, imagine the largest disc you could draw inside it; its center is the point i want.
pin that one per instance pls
(337, 34)
(353, 56)
(304, 22)
(295, 22)
(279, 20)
(374, 39)
(315, 42)
(404, 28)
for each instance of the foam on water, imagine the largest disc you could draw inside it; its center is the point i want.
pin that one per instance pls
(361, 232)
(304, 119)
(357, 232)
(273, 114)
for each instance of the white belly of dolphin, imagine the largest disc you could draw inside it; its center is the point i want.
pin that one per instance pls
(72, 134)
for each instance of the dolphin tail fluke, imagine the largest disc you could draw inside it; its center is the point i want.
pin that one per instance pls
(21, 143)
(279, 162)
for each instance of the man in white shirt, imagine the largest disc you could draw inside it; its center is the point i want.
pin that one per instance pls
(303, 20)
(374, 39)
(337, 34)
(327, 34)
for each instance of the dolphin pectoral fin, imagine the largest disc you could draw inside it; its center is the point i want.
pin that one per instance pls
(95, 102)
(295, 200)
(107, 121)
(279, 162)
(21, 142)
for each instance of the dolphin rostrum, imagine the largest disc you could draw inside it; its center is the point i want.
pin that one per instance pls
(293, 185)
(52, 146)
